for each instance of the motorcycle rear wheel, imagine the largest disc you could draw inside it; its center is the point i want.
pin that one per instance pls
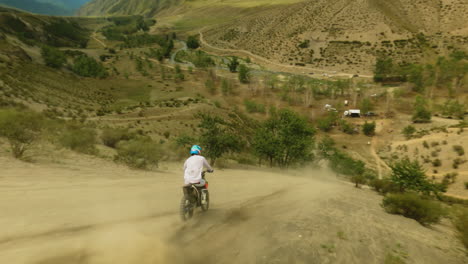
(186, 209)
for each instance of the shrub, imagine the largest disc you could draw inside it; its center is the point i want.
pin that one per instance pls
(456, 163)
(459, 149)
(384, 186)
(53, 57)
(436, 163)
(88, 67)
(368, 128)
(233, 64)
(358, 180)
(112, 136)
(421, 113)
(411, 205)
(79, 139)
(139, 153)
(347, 127)
(244, 74)
(21, 128)
(409, 131)
(192, 42)
(466, 185)
(425, 144)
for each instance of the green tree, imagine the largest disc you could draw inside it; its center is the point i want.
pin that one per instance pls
(244, 74)
(369, 128)
(411, 176)
(53, 57)
(21, 128)
(383, 69)
(421, 112)
(192, 42)
(217, 137)
(88, 67)
(233, 64)
(284, 139)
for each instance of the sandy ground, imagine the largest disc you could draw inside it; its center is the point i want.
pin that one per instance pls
(87, 210)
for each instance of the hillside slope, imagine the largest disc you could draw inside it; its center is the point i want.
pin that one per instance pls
(125, 7)
(348, 35)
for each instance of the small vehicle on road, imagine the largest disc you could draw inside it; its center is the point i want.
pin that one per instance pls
(195, 195)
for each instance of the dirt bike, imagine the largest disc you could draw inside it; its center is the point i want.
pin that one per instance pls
(195, 195)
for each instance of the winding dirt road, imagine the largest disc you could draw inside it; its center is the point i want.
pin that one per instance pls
(275, 65)
(83, 210)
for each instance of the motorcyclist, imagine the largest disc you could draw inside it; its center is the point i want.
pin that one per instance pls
(193, 167)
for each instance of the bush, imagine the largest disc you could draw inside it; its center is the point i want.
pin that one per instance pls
(348, 128)
(411, 205)
(409, 131)
(21, 128)
(139, 153)
(192, 42)
(421, 112)
(112, 136)
(244, 74)
(358, 180)
(88, 67)
(436, 163)
(53, 57)
(368, 128)
(459, 149)
(466, 185)
(384, 186)
(79, 139)
(425, 144)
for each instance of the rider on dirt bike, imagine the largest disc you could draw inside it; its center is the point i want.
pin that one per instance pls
(193, 166)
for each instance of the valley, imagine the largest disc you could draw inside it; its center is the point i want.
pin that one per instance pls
(98, 111)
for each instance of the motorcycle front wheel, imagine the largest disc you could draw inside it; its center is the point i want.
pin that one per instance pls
(186, 209)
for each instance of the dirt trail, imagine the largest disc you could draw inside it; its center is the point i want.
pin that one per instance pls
(274, 65)
(98, 40)
(374, 144)
(85, 210)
